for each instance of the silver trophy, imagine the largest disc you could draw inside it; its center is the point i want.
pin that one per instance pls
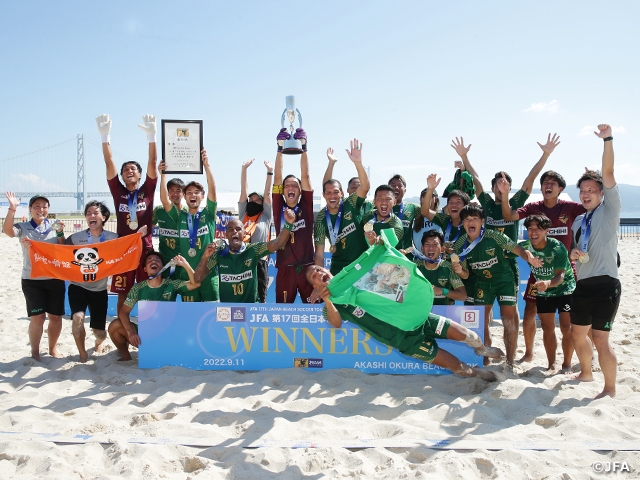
(291, 146)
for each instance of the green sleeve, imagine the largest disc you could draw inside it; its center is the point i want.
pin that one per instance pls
(213, 260)
(457, 247)
(398, 229)
(501, 239)
(454, 279)
(441, 220)
(518, 200)
(561, 256)
(212, 207)
(260, 249)
(132, 296)
(485, 200)
(319, 231)
(180, 286)
(367, 217)
(355, 201)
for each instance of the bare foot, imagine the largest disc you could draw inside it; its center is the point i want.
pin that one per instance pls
(55, 353)
(583, 377)
(36, 356)
(527, 357)
(484, 374)
(605, 393)
(491, 352)
(486, 361)
(551, 367)
(84, 356)
(125, 358)
(99, 347)
(566, 369)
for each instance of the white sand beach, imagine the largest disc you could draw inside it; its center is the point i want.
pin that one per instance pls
(487, 430)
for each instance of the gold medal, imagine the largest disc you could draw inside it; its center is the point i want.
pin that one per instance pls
(368, 227)
(133, 225)
(333, 248)
(584, 258)
(455, 258)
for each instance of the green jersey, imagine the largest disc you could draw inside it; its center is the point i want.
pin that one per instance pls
(238, 271)
(445, 222)
(166, 292)
(406, 212)
(443, 277)
(367, 206)
(350, 240)
(493, 212)
(206, 231)
(487, 259)
(555, 257)
(393, 222)
(167, 233)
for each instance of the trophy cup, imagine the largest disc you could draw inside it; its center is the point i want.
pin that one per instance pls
(291, 146)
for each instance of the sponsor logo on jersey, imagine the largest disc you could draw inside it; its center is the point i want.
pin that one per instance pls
(507, 298)
(204, 230)
(358, 312)
(498, 223)
(558, 231)
(123, 207)
(406, 224)
(167, 232)
(566, 307)
(545, 272)
(491, 251)
(346, 231)
(298, 225)
(486, 264)
(228, 278)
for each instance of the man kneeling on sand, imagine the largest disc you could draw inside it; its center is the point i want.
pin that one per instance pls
(122, 330)
(410, 330)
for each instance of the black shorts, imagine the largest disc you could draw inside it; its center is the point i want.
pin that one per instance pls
(558, 304)
(81, 298)
(43, 296)
(263, 280)
(595, 302)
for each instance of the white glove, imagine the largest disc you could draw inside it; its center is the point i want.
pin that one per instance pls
(149, 127)
(104, 127)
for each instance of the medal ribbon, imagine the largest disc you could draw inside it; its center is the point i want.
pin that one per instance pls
(438, 260)
(90, 237)
(333, 231)
(447, 233)
(226, 249)
(375, 218)
(169, 264)
(133, 206)
(466, 248)
(401, 210)
(193, 226)
(585, 229)
(295, 211)
(47, 225)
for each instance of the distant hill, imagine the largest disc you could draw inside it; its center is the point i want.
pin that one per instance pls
(630, 195)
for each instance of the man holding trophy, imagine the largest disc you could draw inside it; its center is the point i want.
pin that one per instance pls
(295, 257)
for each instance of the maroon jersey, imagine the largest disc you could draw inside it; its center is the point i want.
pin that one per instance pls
(299, 250)
(561, 216)
(144, 210)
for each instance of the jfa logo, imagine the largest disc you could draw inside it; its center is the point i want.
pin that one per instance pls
(470, 319)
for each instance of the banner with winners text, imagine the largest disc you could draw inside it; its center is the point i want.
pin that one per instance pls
(224, 336)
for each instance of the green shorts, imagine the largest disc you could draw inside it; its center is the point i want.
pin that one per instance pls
(503, 290)
(513, 263)
(434, 327)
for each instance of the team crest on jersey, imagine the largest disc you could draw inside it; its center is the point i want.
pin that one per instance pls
(491, 251)
(348, 216)
(563, 218)
(248, 261)
(442, 281)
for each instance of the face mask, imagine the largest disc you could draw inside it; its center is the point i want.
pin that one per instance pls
(254, 209)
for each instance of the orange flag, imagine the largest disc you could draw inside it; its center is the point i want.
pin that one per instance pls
(85, 263)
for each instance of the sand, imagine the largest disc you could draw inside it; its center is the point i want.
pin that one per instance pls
(491, 427)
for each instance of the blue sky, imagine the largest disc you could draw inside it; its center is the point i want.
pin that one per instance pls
(403, 77)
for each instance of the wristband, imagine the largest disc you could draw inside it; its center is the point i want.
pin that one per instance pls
(288, 226)
(269, 173)
(105, 138)
(279, 148)
(60, 234)
(608, 139)
(445, 291)
(151, 138)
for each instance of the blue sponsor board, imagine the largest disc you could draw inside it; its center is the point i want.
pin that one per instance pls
(224, 336)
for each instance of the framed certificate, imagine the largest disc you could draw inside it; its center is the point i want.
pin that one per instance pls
(181, 146)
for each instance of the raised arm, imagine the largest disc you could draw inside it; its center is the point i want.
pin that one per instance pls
(282, 239)
(164, 192)
(507, 212)
(328, 173)
(268, 183)
(244, 184)
(192, 284)
(604, 132)
(280, 138)
(211, 183)
(432, 184)
(355, 155)
(305, 178)
(528, 257)
(7, 226)
(148, 125)
(104, 127)
(547, 150)
(462, 151)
